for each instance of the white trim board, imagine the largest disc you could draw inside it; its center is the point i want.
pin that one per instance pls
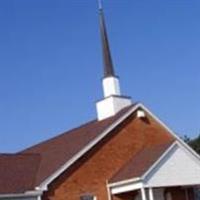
(126, 188)
(133, 180)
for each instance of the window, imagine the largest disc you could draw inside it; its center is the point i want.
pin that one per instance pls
(88, 197)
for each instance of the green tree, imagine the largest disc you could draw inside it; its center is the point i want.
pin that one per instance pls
(195, 144)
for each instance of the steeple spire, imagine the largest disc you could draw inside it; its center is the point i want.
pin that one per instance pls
(100, 4)
(107, 58)
(113, 101)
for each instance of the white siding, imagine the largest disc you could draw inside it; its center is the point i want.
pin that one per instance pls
(179, 167)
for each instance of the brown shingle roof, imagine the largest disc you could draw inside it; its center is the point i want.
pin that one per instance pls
(37, 163)
(140, 163)
(58, 150)
(27, 169)
(17, 172)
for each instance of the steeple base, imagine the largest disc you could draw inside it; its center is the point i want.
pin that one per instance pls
(110, 106)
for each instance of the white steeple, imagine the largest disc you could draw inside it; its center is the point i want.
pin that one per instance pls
(113, 101)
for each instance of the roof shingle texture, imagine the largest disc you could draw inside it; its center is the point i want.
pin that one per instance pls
(27, 169)
(17, 172)
(141, 162)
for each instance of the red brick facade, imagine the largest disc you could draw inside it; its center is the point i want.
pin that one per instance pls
(91, 173)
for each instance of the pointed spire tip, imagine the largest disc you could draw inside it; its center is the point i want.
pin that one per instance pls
(107, 58)
(100, 4)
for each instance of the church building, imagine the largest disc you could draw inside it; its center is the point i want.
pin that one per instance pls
(126, 153)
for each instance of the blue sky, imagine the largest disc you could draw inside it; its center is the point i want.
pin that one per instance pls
(51, 63)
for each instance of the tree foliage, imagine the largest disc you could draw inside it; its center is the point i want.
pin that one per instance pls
(194, 143)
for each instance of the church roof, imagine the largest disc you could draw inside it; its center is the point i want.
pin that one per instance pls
(57, 151)
(39, 162)
(29, 168)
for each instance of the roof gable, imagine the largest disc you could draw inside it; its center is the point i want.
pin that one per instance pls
(140, 163)
(177, 167)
